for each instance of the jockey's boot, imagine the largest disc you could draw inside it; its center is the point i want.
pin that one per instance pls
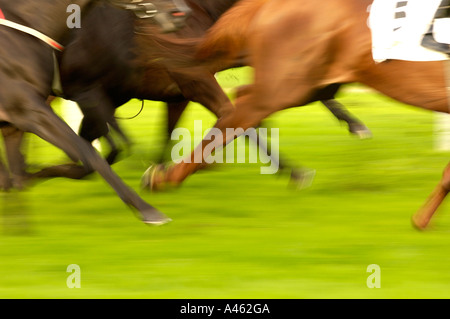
(428, 40)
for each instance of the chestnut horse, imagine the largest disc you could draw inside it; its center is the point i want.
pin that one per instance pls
(299, 49)
(29, 32)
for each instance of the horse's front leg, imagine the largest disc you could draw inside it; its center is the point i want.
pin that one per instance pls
(13, 138)
(5, 181)
(98, 118)
(422, 218)
(33, 115)
(240, 118)
(98, 111)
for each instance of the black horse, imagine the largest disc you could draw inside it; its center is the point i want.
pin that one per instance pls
(26, 73)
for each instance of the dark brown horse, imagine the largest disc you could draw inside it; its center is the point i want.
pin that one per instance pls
(26, 72)
(299, 49)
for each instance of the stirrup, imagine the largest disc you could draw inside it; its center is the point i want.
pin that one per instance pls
(429, 42)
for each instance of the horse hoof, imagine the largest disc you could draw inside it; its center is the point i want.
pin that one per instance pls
(147, 177)
(364, 135)
(154, 217)
(302, 179)
(153, 179)
(418, 222)
(361, 131)
(148, 180)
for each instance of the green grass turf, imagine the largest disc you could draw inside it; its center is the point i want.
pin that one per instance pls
(237, 233)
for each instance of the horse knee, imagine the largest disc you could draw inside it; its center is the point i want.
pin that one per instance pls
(91, 129)
(242, 90)
(225, 110)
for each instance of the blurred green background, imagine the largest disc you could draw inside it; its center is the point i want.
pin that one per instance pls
(237, 233)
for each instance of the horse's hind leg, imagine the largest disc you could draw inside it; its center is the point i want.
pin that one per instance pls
(327, 97)
(422, 218)
(304, 176)
(355, 126)
(33, 115)
(300, 177)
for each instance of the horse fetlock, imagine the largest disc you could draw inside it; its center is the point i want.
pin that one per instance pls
(445, 185)
(154, 178)
(19, 181)
(303, 178)
(359, 130)
(445, 181)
